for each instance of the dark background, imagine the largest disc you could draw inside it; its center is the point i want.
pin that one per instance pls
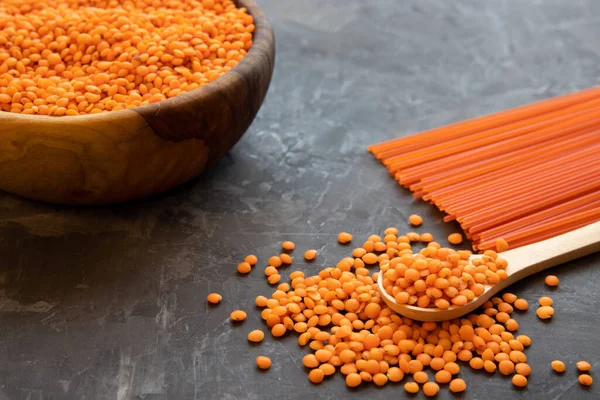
(109, 303)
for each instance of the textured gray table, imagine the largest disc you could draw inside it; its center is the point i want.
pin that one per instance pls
(110, 303)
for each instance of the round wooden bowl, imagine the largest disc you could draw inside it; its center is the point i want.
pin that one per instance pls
(129, 154)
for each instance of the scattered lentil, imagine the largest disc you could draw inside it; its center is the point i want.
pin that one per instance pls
(340, 314)
(523, 369)
(506, 367)
(256, 336)
(353, 380)
(519, 380)
(455, 238)
(583, 366)
(415, 220)
(458, 385)
(288, 246)
(411, 387)
(558, 366)
(310, 254)
(263, 362)
(545, 312)
(431, 389)
(214, 298)
(251, 259)
(420, 377)
(344, 237)
(546, 301)
(244, 268)
(316, 375)
(275, 261)
(551, 280)
(427, 237)
(521, 304)
(237, 315)
(585, 380)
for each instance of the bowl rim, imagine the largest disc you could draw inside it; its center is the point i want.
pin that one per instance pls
(262, 38)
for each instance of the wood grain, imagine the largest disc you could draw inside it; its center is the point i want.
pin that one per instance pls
(130, 154)
(522, 262)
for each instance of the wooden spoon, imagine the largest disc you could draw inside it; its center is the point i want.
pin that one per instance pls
(522, 262)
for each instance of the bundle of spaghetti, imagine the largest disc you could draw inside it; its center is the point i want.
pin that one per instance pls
(522, 175)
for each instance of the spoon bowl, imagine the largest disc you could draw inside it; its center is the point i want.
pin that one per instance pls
(522, 262)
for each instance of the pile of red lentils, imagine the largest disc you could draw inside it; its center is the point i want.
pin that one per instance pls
(342, 317)
(73, 57)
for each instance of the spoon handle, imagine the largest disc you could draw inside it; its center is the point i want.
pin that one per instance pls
(536, 257)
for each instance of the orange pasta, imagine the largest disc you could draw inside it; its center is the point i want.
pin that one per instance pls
(521, 175)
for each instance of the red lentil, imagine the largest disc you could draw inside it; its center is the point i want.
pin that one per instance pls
(558, 366)
(263, 362)
(551, 280)
(214, 298)
(583, 366)
(344, 237)
(288, 246)
(585, 380)
(415, 220)
(112, 58)
(340, 314)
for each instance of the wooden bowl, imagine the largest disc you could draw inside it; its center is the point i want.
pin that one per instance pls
(129, 154)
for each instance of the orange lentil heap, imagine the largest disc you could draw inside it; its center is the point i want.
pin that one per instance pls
(76, 57)
(340, 315)
(439, 277)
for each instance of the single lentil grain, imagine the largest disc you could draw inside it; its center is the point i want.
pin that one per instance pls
(431, 389)
(476, 363)
(310, 255)
(244, 268)
(523, 369)
(455, 238)
(489, 366)
(458, 385)
(546, 301)
(551, 280)
(237, 315)
(353, 379)
(316, 375)
(443, 376)
(521, 304)
(583, 366)
(214, 298)
(420, 377)
(519, 380)
(524, 339)
(427, 237)
(263, 362)
(288, 246)
(415, 220)
(344, 237)
(251, 259)
(585, 380)
(545, 312)
(256, 336)
(275, 261)
(506, 367)
(558, 366)
(411, 387)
